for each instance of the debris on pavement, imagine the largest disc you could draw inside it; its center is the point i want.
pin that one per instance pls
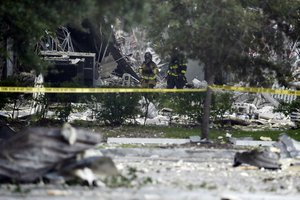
(250, 142)
(271, 156)
(51, 154)
(289, 148)
(265, 138)
(261, 158)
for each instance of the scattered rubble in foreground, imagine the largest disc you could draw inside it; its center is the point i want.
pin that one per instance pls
(58, 161)
(52, 155)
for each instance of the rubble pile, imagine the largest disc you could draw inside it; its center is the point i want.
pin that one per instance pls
(258, 111)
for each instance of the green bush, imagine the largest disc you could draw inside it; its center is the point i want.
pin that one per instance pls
(191, 105)
(221, 103)
(63, 101)
(185, 104)
(287, 108)
(117, 107)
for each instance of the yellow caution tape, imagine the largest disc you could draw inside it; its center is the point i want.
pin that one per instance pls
(145, 90)
(92, 90)
(256, 90)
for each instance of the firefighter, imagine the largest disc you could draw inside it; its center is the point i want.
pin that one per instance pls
(176, 72)
(148, 72)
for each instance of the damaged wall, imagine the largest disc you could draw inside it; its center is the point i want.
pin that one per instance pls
(92, 40)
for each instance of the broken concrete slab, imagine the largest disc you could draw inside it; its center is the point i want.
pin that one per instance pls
(273, 101)
(254, 143)
(107, 66)
(289, 148)
(162, 141)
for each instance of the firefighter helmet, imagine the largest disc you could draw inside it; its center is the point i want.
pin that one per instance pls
(148, 56)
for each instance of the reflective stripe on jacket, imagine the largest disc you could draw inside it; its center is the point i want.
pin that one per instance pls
(148, 71)
(177, 69)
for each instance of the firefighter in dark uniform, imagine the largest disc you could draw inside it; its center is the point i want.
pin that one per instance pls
(176, 72)
(148, 72)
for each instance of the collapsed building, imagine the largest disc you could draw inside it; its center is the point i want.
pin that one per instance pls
(87, 57)
(94, 56)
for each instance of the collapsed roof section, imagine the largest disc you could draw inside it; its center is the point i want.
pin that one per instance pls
(70, 66)
(95, 40)
(83, 55)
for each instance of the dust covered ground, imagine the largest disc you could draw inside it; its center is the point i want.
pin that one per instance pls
(183, 172)
(177, 172)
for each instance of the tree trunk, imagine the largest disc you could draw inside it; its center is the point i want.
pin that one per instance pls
(207, 104)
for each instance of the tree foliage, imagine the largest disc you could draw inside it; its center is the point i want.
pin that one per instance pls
(225, 34)
(25, 21)
(236, 36)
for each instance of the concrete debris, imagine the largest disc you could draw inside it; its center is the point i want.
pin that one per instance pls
(112, 80)
(273, 155)
(289, 148)
(245, 108)
(107, 66)
(273, 101)
(129, 80)
(199, 84)
(265, 138)
(86, 115)
(166, 112)
(69, 133)
(253, 143)
(51, 154)
(250, 116)
(164, 117)
(37, 106)
(295, 84)
(228, 135)
(159, 120)
(264, 158)
(267, 113)
(296, 73)
(296, 76)
(151, 111)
